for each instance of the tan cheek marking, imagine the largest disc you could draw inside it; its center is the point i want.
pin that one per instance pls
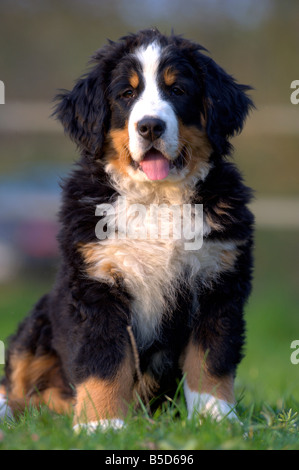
(105, 399)
(134, 79)
(198, 146)
(116, 150)
(199, 378)
(169, 76)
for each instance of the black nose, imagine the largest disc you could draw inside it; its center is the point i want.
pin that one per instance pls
(151, 128)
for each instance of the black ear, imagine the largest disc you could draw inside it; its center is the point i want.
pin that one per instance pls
(84, 111)
(226, 104)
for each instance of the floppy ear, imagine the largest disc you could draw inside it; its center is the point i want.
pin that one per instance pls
(227, 105)
(84, 112)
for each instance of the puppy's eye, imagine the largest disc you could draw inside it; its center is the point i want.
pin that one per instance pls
(177, 91)
(127, 94)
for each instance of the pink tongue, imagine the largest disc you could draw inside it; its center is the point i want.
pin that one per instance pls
(155, 165)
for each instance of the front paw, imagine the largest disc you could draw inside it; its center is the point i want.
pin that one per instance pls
(102, 424)
(207, 405)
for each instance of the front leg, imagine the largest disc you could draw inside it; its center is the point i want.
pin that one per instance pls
(205, 392)
(215, 347)
(94, 341)
(104, 401)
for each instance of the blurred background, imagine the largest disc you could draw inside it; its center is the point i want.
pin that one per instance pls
(45, 45)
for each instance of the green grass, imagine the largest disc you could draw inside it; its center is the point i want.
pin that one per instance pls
(267, 385)
(168, 429)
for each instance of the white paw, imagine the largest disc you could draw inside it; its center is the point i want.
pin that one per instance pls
(5, 411)
(206, 404)
(102, 424)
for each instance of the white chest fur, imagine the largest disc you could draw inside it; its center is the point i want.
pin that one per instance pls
(153, 268)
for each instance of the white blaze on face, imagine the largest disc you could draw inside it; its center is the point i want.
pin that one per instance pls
(151, 104)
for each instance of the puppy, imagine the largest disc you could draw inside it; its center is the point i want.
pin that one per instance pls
(132, 314)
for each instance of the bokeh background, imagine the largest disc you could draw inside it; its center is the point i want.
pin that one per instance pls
(45, 45)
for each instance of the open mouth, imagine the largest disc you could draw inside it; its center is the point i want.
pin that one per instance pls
(156, 166)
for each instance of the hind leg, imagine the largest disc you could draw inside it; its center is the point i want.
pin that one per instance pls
(33, 370)
(37, 380)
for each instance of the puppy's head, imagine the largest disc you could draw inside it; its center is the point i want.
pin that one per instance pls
(154, 108)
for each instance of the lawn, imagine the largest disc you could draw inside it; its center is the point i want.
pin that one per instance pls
(267, 385)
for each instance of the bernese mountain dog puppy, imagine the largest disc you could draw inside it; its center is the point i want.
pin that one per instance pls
(128, 315)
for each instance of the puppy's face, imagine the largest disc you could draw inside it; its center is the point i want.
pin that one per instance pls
(155, 109)
(157, 121)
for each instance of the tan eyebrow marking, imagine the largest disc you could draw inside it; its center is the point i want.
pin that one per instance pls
(134, 79)
(169, 76)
